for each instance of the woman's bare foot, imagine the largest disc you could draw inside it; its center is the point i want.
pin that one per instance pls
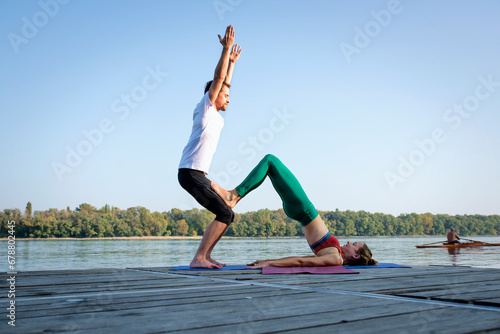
(231, 198)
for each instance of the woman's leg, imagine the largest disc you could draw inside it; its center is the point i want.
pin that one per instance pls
(295, 202)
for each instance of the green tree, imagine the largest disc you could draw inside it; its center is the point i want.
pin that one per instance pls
(182, 227)
(29, 209)
(84, 207)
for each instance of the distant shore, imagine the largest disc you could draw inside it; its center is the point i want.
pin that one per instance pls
(272, 237)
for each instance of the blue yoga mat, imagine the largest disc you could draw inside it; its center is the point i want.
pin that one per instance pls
(242, 267)
(379, 266)
(228, 267)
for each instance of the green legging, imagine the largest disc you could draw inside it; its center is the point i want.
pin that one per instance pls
(295, 202)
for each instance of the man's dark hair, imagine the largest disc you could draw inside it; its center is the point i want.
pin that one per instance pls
(208, 84)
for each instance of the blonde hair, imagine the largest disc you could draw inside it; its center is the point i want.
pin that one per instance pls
(365, 258)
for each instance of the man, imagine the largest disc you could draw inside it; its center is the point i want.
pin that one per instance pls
(453, 237)
(198, 153)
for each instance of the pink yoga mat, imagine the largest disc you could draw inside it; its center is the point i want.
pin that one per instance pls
(310, 270)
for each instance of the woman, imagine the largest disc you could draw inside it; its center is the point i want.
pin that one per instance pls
(327, 249)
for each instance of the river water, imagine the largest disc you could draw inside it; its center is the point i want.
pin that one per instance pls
(86, 254)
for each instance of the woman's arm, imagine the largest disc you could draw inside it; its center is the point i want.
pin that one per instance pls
(268, 260)
(301, 261)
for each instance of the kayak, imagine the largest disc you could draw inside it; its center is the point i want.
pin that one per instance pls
(460, 245)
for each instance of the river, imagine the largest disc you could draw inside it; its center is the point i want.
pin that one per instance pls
(86, 254)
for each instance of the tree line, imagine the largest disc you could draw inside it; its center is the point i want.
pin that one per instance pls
(87, 221)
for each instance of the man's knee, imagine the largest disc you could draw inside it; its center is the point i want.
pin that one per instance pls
(225, 216)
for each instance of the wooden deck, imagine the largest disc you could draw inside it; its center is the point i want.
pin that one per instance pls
(430, 299)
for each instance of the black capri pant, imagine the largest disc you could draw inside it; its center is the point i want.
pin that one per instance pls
(198, 185)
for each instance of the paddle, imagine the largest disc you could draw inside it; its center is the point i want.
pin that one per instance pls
(433, 243)
(474, 240)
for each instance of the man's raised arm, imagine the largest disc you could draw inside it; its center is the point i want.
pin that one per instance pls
(222, 66)
(233, 58)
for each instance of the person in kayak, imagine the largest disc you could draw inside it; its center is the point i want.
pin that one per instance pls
(296, 204)
(453, 237)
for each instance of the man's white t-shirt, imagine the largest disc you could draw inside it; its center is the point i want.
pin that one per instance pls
(207, 126)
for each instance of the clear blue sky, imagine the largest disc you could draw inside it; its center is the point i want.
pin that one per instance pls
(382, 106)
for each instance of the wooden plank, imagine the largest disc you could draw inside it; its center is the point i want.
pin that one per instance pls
(50, 290)
(81, 279)
(429, 286)
(267, 317)
(166, 303)
(25, 289)
(131, 297)
(456, 289)
(386, 285)
(308, 322)
(168, 294)
(261, 321)
(471, 297)
(117, 276)
(443, 321)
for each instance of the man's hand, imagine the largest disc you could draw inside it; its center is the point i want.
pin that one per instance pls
(235, 53)
(228, 39)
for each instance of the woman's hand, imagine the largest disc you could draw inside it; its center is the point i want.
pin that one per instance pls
(259, 264)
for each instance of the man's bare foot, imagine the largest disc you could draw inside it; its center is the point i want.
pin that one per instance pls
(231, 198)
(216, 262)
(204, 263)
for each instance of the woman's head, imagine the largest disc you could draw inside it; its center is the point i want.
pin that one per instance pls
(357, 254)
